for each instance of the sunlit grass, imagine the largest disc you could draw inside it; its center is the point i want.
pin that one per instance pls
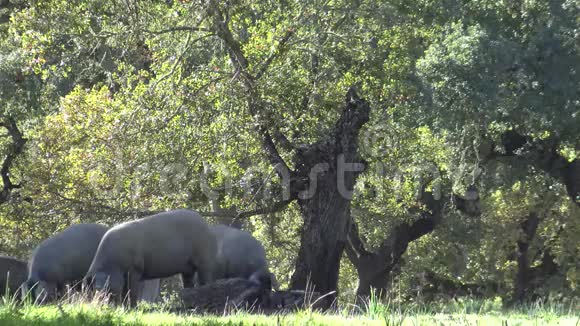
(77, 311)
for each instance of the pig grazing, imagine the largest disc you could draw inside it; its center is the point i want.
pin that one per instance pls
(158, 246)
(239, 254)
(62, 259)
(12, 274)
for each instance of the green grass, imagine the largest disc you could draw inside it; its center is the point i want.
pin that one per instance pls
(462, 312)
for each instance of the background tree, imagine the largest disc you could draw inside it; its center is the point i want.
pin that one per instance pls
(238, 109)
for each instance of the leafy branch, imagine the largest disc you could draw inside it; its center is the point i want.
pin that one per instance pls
(240, 62)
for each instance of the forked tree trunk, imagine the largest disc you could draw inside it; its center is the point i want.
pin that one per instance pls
(331, 168)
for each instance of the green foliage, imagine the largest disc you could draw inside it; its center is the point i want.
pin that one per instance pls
(135, 107)
(512, 64)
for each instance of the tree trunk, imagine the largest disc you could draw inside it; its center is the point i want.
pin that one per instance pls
(325, 169)
(331, 168)
(572, 180)
(523, 275)
(373, 276)
(322, 242)
(547, 268)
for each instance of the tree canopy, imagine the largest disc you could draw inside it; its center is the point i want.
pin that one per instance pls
(461, 120)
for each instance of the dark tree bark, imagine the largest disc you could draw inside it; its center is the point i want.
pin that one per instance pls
(529, 278)
(325, 207)
(468, 204)
(374, 268)
(524, 275)
(547, 268)
(13, 151)
(322, 184)
(571, 177)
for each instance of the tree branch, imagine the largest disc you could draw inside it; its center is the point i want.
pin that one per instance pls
(276, 207)
(222, 30)
(14, 149)
(273, 55)
(255, 106)
(95, 206)
(355, 248)
(374, 267)
(282, 140)
(395, 245)
(178, 29)
(354, 116)
(272, 153)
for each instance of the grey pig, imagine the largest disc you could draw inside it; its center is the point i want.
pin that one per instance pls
(239, 254)
(12, 274)
(157, 246)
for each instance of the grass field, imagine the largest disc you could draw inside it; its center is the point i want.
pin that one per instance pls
(466, 312)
